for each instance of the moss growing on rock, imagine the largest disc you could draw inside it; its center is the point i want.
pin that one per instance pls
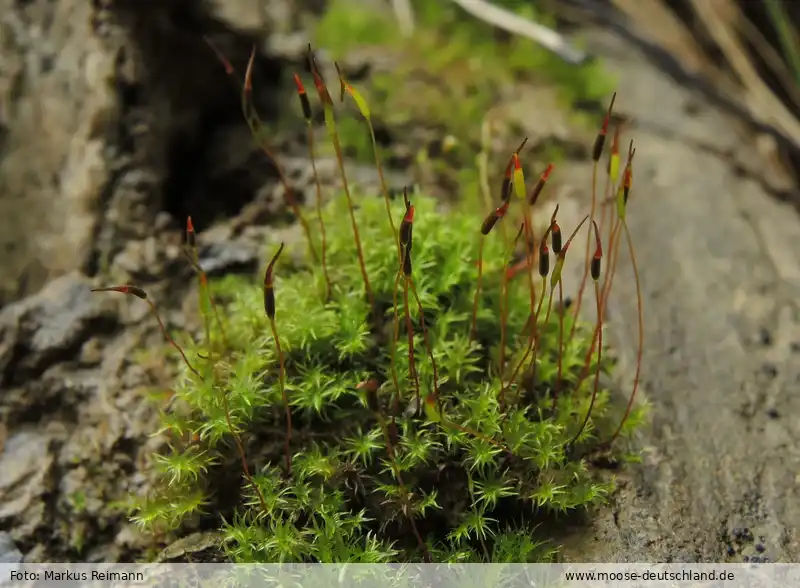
(416, 403)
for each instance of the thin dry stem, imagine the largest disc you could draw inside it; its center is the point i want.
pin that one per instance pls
(640, 319)
(322, 233)
(356, 236)
(257, 129)
(426, 339)
(579, 298)
(395, 337)
(242, 455)
(597, 336)
(284, 396)
(412, 367)
(479, 284)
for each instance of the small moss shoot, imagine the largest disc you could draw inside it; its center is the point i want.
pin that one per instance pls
(504, 441)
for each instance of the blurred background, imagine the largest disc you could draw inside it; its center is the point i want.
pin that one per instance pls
(117, 120)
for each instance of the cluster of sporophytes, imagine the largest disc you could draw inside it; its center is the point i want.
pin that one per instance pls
(417, 391)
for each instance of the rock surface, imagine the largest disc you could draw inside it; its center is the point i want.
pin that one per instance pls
(9, 554)
(108, 110)
(721, 284)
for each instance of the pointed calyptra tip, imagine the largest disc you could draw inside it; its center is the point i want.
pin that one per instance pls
(608, 114)
(627, 181)
(342, 83)
(319, 84)
(225, 63)
(598, 251)
(305, 104)
(409, 216)
(600, 139)
(555, 213)
(299, 83)
(248, 74)
(128, 289)
(269, 292)
(540, 183)
(406, 224)
(190, 234)
(271, 266)
(517, 163)
(509, 168)
(598, 254)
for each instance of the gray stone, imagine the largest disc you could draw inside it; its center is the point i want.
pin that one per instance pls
(9, 554)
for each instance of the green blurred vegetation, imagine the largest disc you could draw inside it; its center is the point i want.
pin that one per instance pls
(449, 75)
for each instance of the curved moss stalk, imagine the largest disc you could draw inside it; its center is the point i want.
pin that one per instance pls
(269, 310)
(363, 108)
(597, 152)
(305, 104)
(333, 132)
(259, 134)
(555, 280)
(596, 262)
(207, 301)
(486, 227)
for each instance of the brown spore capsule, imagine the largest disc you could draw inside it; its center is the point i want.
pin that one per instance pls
(305, 103)
(600, 140)
(540, 183)
(488, 223)
(544, 260)
(555, 235)
(493, 217)
(269, 290)
(269, 301)
(598, 254)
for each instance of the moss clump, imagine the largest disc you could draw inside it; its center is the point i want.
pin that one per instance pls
(390, 422)
(471, 499)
